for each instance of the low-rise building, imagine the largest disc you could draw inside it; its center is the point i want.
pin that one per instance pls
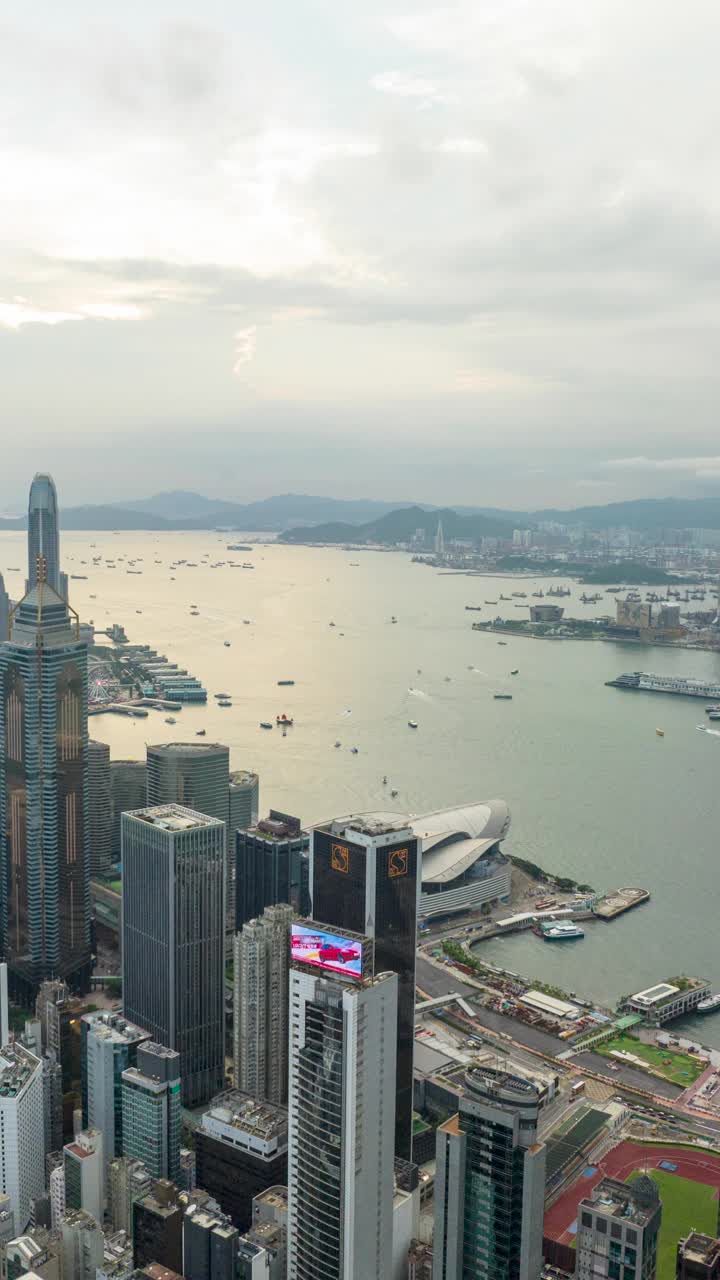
(698, 1258)
(618, 1228)
(668, 1000)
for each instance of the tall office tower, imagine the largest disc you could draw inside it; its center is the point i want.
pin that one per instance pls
(260, 991)
(52, 1103)
(174, 939)
(209, 1245)
(193, 774)
(618, 1229)
(490, 1182)
(343, 1034)
(109, 1045)
(152, 1113)
(43, 532)
(83, 1245)
(44, 836)
(365, 876)
(22, 1168)
(157, 1228)
(128, 791)
(698, 1258)
(4, 611)
(244, 798)
(85, 1173)
(128, 1181)
(4, 1005)
(241, 1149)
(271, 866)
(100, 814)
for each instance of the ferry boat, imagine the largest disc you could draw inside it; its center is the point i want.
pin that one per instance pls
(647, 682)
(502, 697)
(561, 931)
(710, 1005)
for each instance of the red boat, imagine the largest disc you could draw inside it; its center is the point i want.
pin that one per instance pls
(283, 719)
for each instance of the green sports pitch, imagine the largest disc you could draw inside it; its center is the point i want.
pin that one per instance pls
(686, 1206)
(678, 1068)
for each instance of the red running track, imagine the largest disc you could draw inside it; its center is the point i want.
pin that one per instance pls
(698, 1166)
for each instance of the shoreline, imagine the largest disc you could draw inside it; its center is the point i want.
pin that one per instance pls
(518, 632)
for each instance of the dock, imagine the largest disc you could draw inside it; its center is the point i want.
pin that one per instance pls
(618, 901)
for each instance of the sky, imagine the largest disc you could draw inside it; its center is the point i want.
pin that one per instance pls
(446, 252)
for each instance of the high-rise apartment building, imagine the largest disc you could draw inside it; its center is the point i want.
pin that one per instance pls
(698, 1258)
(365, 876)
(128, 1181)
(44, 533)
(99, 808)
(241, 1149)
(618, 1226)
(209, 1245)
(157, 1228)
(109, 1045)
(22, 1168)
(128, 791)
(44, 829)
(261, 954)
(343, 1035)
(174, 938)
(490, 1182)
(271, 866)
(152, 1111)
(83, 1245)
(84, 1170)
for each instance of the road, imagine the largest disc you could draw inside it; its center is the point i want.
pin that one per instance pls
(628, 1075)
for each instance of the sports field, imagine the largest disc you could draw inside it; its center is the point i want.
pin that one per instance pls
(689, 1190)
(678, 1068)
(686, 1205)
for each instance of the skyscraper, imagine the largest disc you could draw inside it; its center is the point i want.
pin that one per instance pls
(193, 774)
(100, 812)
(152, 1114)
(244, 800)
(490, 1182)
(4, 611)
(44, 830)
(128, 791)
(22, 1129)
(271, 866)
(85, 1173)
(342, 1104)
(260, 1026)
(109, 1046)
(618, 1226)
(365, 876)
(174, 938)
(43, 532)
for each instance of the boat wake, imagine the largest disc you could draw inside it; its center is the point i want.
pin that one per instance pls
(418, 693)
(714, 733)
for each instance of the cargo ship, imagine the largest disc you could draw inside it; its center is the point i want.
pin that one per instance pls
(684, 686)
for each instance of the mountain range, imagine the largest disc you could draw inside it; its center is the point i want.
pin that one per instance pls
(331, 518)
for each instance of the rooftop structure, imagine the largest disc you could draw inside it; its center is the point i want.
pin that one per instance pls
(698, 1257)
(248, 1124)
(632, 1202)
(672, 999)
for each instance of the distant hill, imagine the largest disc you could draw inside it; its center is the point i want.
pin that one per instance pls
(399, 526)
(643, 514)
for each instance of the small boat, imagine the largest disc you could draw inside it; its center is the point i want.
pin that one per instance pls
(331, 624)
(447, 679)
(384, 779)
(491, 601)
(502, 697)
(226, 643)
(354, 750)
(225, 703)
(393, 619)
(265, 724)
(200, 733)
(660, 733)
(412, 724)
(503, 642)
(515, 671)
(338, 743)
(170, 720)
(283, 719)
(393, 793)
(222, 696)
(284, 682)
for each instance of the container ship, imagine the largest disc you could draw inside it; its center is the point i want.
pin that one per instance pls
(649, 683)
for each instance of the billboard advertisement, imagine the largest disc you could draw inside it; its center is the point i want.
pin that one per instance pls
(328, 951)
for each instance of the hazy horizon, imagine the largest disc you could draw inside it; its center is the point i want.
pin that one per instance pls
(464, 253)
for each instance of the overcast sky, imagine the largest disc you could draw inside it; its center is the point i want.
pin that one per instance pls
(375, 248)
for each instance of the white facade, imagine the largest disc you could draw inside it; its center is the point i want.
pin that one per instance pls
(22, 1130)
(84, 1172)
(57, 1195)
(342, 1125)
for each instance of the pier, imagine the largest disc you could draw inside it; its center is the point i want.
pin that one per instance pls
(618, 901)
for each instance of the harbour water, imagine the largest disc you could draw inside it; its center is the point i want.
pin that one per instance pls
(594, 792)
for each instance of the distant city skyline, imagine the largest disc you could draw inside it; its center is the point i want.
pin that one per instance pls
(460, 253)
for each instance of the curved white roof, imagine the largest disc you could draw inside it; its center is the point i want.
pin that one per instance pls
(452, 839)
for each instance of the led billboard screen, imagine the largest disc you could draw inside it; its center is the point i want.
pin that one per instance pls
(329, 951)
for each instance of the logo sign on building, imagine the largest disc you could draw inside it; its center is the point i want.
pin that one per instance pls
(328, 951)
(340, 858)
(398, 862)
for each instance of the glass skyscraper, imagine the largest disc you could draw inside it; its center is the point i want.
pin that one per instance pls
(43, 532)
(365, 876)
(174, 939)
(271, 866)
(44, 818)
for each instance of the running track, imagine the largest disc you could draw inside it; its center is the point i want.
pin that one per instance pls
(698, 1166)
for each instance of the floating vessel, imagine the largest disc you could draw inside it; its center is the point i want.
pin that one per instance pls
(660, 733)
(170, 720)
(561, 931)
(684, 686)
(225, 703)
(284, 682)
(265, 724)
(393, 793)
(412, 724)
(502, 697)
(283, 719)
(200, 733)
(709, 1005)
(226, 643)
(515, 671)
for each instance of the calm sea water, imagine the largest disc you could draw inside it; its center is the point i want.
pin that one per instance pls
(594, 793)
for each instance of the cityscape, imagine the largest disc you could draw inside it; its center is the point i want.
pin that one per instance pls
(243, 1046)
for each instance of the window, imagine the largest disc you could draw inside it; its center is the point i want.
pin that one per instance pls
(586, 1219)
(616, 1231)
(601, 1227)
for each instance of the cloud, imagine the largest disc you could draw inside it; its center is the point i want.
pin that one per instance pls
(245, 348)
(704, 468)
(462, 147)
(404, 84)
(19, 312)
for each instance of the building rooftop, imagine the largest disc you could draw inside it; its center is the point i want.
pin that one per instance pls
(174, 817)
(368, 824)
(663, 991)
(635, 1202)
(242, 777)
(17, 1065)
(240, 1111)
(700, 1248)
(113, 1027)
(188, 748)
